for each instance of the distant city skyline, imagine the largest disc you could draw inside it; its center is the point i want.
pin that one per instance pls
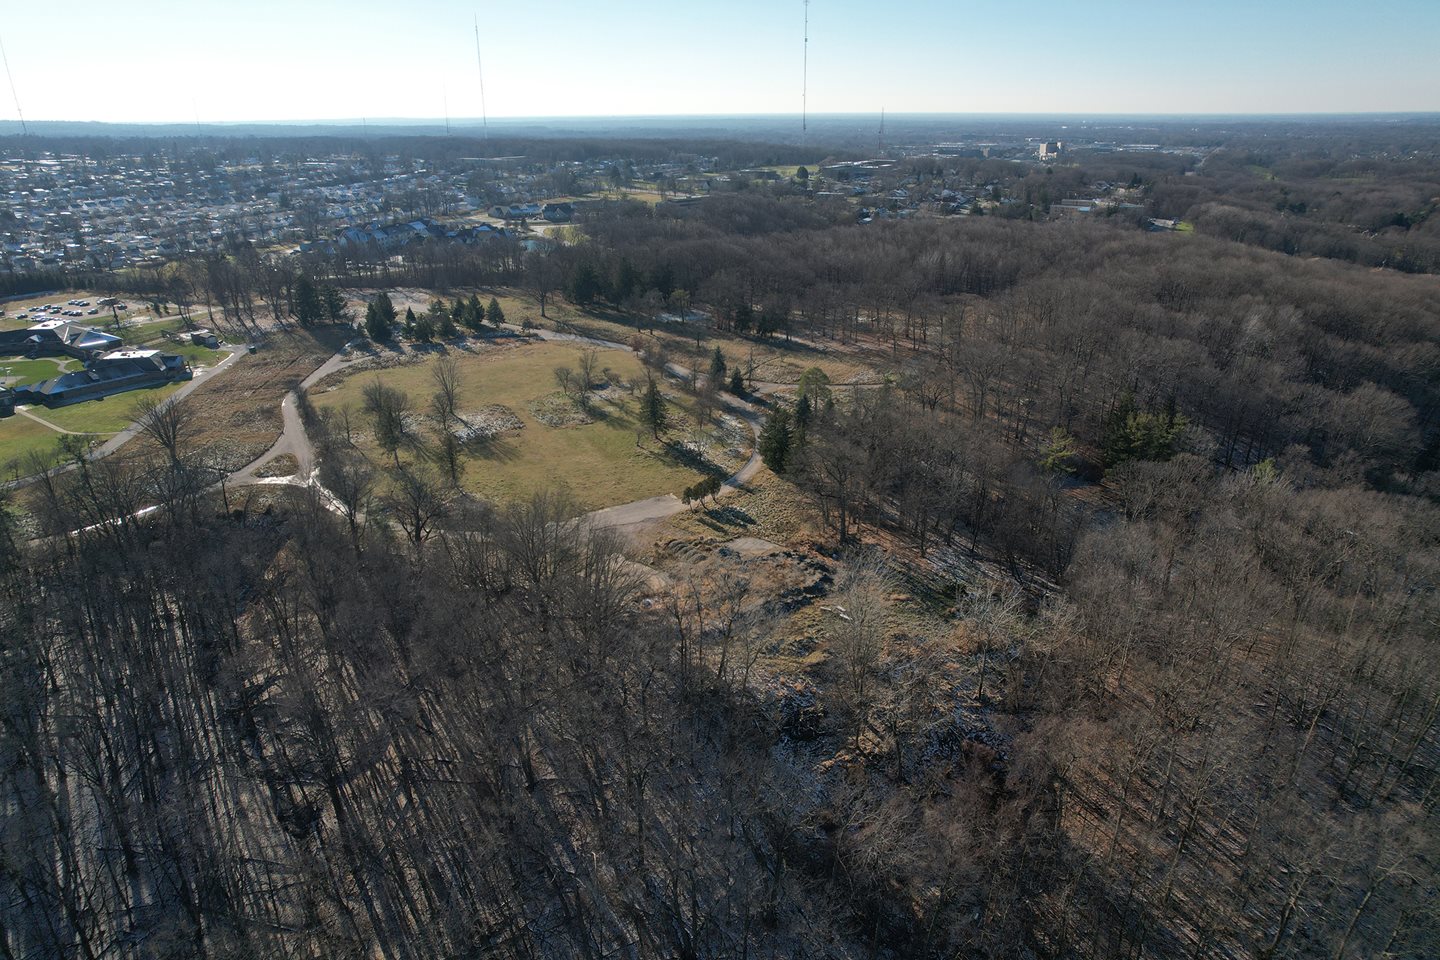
(167, 61)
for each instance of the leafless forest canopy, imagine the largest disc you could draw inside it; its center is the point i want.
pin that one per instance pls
(1190, 707)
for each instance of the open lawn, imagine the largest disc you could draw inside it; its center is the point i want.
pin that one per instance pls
(15, 371)
(19, 437)
(108, 415)
(611, 460)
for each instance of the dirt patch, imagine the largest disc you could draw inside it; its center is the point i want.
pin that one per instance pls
(488, 422)
(285, 465)
(559, 409)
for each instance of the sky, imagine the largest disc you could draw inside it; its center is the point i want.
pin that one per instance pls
(257, 60)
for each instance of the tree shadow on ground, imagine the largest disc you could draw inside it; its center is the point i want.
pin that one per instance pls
(683, 456)
(495, 447)
(726, 520)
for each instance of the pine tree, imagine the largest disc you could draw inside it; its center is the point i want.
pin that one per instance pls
(309, 309)
(334, 301)
(652, 410)
(474, 317)
(494, 314)
(385, 307)
(376, 326)
(409, 322)
(737, 383)
(775, 440)
(717, 367)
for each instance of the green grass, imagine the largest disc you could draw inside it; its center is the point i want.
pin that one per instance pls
(106, 416)
(600, 463)
(14, 372)
(19, 437)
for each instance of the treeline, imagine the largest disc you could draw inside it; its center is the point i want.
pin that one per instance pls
(1321, 365)
(1373, 210)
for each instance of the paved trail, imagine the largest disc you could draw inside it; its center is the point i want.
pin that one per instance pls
(295, 442)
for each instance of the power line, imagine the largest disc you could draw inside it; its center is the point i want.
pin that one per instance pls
(480, 68)
(13, 92)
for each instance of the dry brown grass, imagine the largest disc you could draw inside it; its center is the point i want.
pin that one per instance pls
(239, 413)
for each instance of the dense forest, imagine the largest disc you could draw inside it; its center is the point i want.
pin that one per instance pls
(1175, 496)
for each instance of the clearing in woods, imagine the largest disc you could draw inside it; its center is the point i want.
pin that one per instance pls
(603, 456)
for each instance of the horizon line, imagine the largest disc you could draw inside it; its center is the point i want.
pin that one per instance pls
(592, 118)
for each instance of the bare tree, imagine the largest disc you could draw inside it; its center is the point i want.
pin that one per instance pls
(445, 404)
(388, 407)
(169, 422)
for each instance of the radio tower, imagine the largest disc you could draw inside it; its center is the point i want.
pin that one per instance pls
(880, 138)
(13, 92)
(805, 75)
(479, 68)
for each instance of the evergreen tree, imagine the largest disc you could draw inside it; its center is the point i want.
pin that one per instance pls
(376, 326)
(474, 317)
(803, 413)
(494, 314)
(652, 410)
(717, 367)
(385, 307)
(1135, 434)
(585, 285)
(775, 440)
(334, 302)
(409, 322)
(737, 383)
(309, 308)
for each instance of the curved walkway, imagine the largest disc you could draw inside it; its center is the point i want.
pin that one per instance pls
(295, 441)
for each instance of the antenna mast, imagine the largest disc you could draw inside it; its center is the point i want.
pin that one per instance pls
(13, 92)
(445, 103)
(480, 69)
(880, 139)
(805, 75)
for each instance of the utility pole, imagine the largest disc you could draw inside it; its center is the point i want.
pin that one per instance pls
(805, 76)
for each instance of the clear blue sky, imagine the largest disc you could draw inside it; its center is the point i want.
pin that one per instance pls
(228, 60)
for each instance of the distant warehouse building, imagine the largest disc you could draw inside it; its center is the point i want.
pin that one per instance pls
(114, 372)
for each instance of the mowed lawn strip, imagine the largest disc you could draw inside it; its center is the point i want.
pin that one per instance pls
(599, 463)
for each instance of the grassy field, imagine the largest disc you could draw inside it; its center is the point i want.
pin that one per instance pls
(107, 416)
(608, 461)
(19, 437)
(15, 371)
(101, 419)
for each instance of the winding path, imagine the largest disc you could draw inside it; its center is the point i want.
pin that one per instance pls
(296, 443)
